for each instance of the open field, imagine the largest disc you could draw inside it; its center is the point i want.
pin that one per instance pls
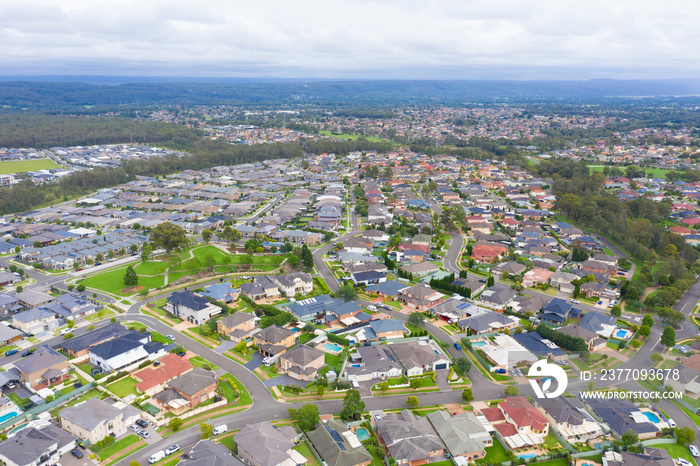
(350, 137)
(653, 172)
(20, 166)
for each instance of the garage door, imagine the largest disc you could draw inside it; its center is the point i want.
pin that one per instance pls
(440, 366)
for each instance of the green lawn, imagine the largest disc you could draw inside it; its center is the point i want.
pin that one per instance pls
(197, 361)
(20, 166)
(230, 394)
(350, 137)
(494, 454)
(124, 387)
(119, 445)
(228, 442)
(112, 281)
(304, 449)
(557, 462)
(551, 442)
(677, 451)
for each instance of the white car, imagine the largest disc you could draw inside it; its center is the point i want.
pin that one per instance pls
(172, 449)
(134, 427)
(575, 301)
(671, 423)
(683, 462)
(170, 337)
(694, 450)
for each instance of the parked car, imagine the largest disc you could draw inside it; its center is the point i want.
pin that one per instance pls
(81, 444)
(458, 346)
(26, 353)
(182, 353)
(77, 453)
(519, 372)
(11, 352)
(157, 456)
(500, 371)
(671, 423)
(172, 449)
(134, 427)
(142, 423)
(575, 301)
(694, 450)
(377, 417)
(12, 385)
(683, 462)
(170, 337)
(144, 434)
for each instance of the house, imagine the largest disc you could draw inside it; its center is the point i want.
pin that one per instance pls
(208, 453)
(592, 289)
(9, 305)
(274, 340)
(264, 290)
(368, 278)
(187, 391)
(488, 322)
(622, 415)
(540, 347)
(536, 276)
(419, 269)
(79, 346)
(191, 307)
(9, 278)
(294, 283)
(359, 246)
(420, 356)
(152, 379)
(558, 311)
(420, 296)
(301, 362)
(532, 304)
(574, 424)
(463, 435)
(597, 267)
(409, 439)
(513, 268)
(9, 335)
(35, 321)
(686, 380)
(650, 457)
(598, 322)
(73, 306)
(531, 426)
(389, 289)
(45, 366)
(562, 281)
(33, 298)
(497, 296)
(32, 446)
(124, 350)
(263, 444)
(236, 326)
(336, 445)
(592, 339)
(96, 419)
(488, 253)
(455, 309)
(223, 292)
(373, 362)
(506, 353)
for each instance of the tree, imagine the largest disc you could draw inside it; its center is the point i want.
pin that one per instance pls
(134, 463)
(352, 406)
(462, 365)
(668, 338)
(206, 235)
(307, 257)
(490, 281)
(293, 261)
(306, 417)
(19, 288)
(416, 318)
(414, 384)
(207, 430)
(511, 391)
(384, 386)
(657, 358)
(616, 311)
(168, 236)
(320, 391)
(648, 321)
(241, 347)
(130, 277)
(347, 292)
(467, 395)
(644, 331)
(630, 437)
(412, 401)
(81, 288)
(685, 436)
(175, 424)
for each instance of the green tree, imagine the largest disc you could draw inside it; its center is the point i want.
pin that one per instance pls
(657, 358)
(616, 311)
(134, 463)
(414, 384)
(80, 288)
(320, 391)
(207, 430)
(412, 401)
(347, 292)
(644, 331)
(490, 281)
(384, 386)
(131, 278)
(462, 365)
(306, 417)
(206, 235)
(467, 395)
(648, 321)
(293, 261)
(175, 424)
(630, 437)
(685, 436)
(353, 406)
(668, 337)
(416, 318)
(241, 347)
(511, 390)
(168, 236)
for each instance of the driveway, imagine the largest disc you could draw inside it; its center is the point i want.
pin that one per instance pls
(365, 388)
(255, 362)
(225, 346)
(441, 380)
(283, 379)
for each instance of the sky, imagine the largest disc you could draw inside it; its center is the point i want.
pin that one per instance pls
(353, 39)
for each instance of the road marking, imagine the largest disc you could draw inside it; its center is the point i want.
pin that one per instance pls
(684, 307)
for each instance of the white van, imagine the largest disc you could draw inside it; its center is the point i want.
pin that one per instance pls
(64, 331)
(157, 456)
(371, 308)
(218, 430)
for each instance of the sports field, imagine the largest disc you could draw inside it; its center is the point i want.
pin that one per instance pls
(20, 166)
(350, 137)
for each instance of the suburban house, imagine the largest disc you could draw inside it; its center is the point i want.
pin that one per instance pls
(263, 444)
(208, 453)
(540, 347)
(420, 356)
(599, 322)
(44, 367)
(592, 339)
(369, 277)
(373, 362)
(274, 340)
(562, 281)
(464, 435)
(536, 276)
(513, 268)
(9, 305)
(389, 289)
(622, 415)
(73, 306)
(95, 419)
(125, 350)
(32, 298)
(187, 391)
(488, 253)
(488, 322)
(191, 307)
(236, 326)
(572, 423)
(32, 446)
(420, 297)
(524, 426)
(301, 362)
(506, 353)
(80, 346)
(592, 289)
(409, 439)
(264, 290)
(223, 292)
(294, 283)
(558, 311)
(338, 446)
(9, 335)
(419, 269)
(152, 380)
(497, 296)
(35, 321)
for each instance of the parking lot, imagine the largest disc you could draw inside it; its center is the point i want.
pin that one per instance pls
(69, 460)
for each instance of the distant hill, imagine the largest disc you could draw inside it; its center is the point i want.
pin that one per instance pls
(61, 93)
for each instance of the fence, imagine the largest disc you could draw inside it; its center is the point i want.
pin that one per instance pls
(45, 407)
(203, 409)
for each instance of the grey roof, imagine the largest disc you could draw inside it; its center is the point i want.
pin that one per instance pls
(389, 287)
(412, 354)
(188, 299)
(595, 320)
(483, 322)
(303, 355)
(562, 411)
(334, 448)
(7, 333)
(34, 298)
(43, 358)
(238, 318)
(537, 345)
(409, 437)
(618, 415)
(265, 443)
(120, 345)
(93, 412)
(193, 381)
(462, 434)
(497, 294)
(377, 359)
(28, 445)
(32, 315)
(288, 279)
(92, 338)
(208, 453)
(578, 331)
(274, 334)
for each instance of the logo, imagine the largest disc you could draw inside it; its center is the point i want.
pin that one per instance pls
(548, 372)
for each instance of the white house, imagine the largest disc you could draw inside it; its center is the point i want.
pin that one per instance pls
(125, 350)
(191, 307)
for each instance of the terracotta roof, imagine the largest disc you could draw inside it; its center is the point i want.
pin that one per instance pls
(521, 411)
(493, 414)
(506, 429)
(171, 366)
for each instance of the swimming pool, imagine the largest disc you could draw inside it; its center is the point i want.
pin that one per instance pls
(529, 455)
(479, 344)
(362, 434)
(651, 416)
(332, 347)
(7, 416)
(621, 334)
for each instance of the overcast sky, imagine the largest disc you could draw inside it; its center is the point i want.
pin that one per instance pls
(456, 39)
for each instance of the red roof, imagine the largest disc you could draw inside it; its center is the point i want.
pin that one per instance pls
(521, 411)
(506, 429)
(493, 414)
(171, 366)
(691, 221)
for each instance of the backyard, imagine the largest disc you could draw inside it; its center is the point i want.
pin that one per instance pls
(123, 387)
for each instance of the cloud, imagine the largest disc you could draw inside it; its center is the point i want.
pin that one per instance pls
(353, 38)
